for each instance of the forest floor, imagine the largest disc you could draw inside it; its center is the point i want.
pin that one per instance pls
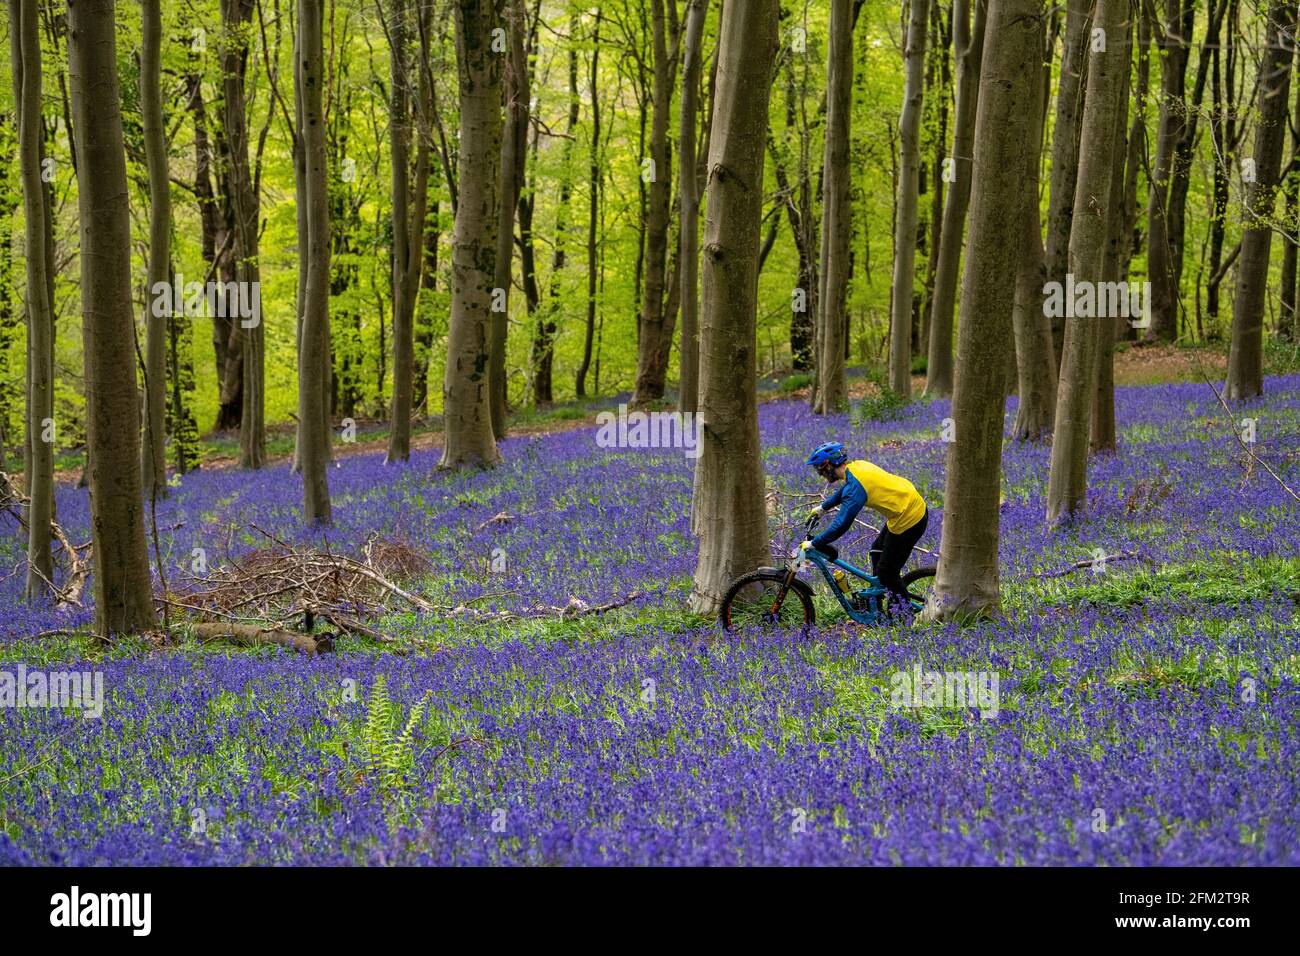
(540, 696)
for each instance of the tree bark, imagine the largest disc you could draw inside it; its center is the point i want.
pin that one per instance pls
(1065, 149)
(1067, 478)
(967, 582)
(593, 208)
(24, 35)
(409, 207)
(513, 150)
(236, 20)
(1172, 128)
(656, 323)
(153, 457)
(1245, 357)
(1113, 269)
(837, 222)
(689, 197)
(909, 135)
(728, 512)
(313, 352)
(469, 438)
(544, 351)
(1035, 350)
(968, 41)
(123, 589)
(1185, 145)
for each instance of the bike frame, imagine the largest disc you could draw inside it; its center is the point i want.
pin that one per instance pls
(825, 564)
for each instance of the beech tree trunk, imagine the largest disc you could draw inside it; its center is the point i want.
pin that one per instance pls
(1172, 127)
(689, 198)
(467, 417)
(513, 150)
(25, 45)
(236, 21)
(1113, 269)
(313, 352)
(905, 225)
(1245, 357)
(1065, 148)
(967, 582)
(968, 48)
(153, 456)
(1107, 72)
(544, 352)
(837, 222)
(1035, 350)
(409, 207)
(1185, 145)
(728, 512)
(657, 322)
(593, 214)
(123, 588)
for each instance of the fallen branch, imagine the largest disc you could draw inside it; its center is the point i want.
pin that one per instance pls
(1092, 562)
(250, 635)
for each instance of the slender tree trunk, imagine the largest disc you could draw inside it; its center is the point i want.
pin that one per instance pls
(689, 197)
(123, 589)
(1035, 351)
(409, 208)
(909, 134)
(1245, 358)
(467, 414)
(1067, 479)
(728, 512)
(1102, 425)
(656, 324)
(513, 151)
(544, 357)
(968, 48)
(1065, 149)
(967, 582)
(837, 227)
(1172, 128)
(1185, 145)
(236, 20)
(24, 35)
(1134, 159)
(158, 308)
(580, 383)
(313, 353)
(1224, 129)
(1286, 313)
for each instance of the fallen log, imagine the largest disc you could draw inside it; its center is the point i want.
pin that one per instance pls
(250, 635)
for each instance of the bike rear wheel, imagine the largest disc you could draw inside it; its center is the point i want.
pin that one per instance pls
(761, 599)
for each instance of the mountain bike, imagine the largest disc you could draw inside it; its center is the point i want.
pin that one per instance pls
(778, 597)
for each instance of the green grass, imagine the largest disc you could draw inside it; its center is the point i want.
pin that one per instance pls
(1225, 581)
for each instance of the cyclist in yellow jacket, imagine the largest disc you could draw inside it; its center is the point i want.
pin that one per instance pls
(868, 485)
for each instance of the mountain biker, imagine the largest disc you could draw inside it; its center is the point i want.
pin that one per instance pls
(865, 484)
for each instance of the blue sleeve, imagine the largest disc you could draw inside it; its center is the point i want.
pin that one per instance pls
(834, 498)
(851, 499)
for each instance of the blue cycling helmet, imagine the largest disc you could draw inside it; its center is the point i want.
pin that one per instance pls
(830, 453)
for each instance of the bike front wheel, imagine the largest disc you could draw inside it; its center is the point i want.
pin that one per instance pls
(919, 583)
(762, 599)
